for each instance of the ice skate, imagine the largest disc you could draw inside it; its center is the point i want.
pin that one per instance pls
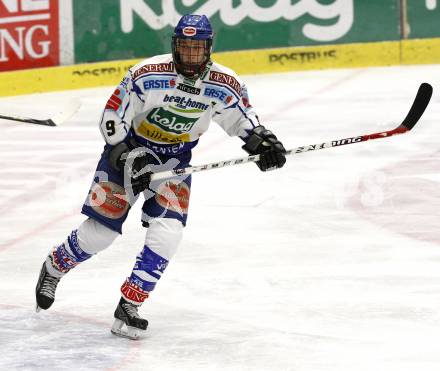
(45, 290)
(128, 323)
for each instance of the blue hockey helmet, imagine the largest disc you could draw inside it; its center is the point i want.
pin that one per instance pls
(191, 57)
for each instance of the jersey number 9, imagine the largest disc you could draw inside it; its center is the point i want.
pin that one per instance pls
(110, 126)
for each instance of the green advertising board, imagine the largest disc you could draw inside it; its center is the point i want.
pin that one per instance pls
(423, 18)
(252, 36)
(123, 29)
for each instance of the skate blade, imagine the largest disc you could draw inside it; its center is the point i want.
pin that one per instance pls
(37, 308)
(119, 328)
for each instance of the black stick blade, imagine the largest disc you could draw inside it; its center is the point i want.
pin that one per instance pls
(48, 122)
(419, 105)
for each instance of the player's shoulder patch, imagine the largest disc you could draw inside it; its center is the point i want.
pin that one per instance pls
(225, 76)
(158, 64)
(221, 68)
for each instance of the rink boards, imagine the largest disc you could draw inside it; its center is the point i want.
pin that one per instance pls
(388, 53)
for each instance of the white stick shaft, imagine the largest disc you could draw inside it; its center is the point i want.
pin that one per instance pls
(243, 160)
(196, 169)
(419, 105)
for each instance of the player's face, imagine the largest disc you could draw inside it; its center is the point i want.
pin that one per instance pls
(191, 51)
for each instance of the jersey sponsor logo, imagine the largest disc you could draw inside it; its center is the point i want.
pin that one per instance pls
(164, 126)
(148, 131)
(166, 150)
(246, 102)
(186, 103)
(189, 89)
(245, 98)
(190, 82)
(124, 83)
(189, 31)
(109, 200)
(173, 196)
(169, 121)
(223, 78)
(161, 67)
(159, 84)
(223, 95)
(115, 101)
(206, 70)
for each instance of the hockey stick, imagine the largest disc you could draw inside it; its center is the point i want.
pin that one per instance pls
(416, 111)
(58, 119)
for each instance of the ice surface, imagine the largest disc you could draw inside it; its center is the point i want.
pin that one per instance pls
(331, 263)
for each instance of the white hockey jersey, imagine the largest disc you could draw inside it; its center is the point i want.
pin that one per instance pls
(168, 113)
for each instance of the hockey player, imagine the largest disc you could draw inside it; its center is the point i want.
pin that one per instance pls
(154, 118)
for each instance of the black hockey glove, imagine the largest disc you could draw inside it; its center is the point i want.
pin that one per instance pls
(118, 156)
(264, 143)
